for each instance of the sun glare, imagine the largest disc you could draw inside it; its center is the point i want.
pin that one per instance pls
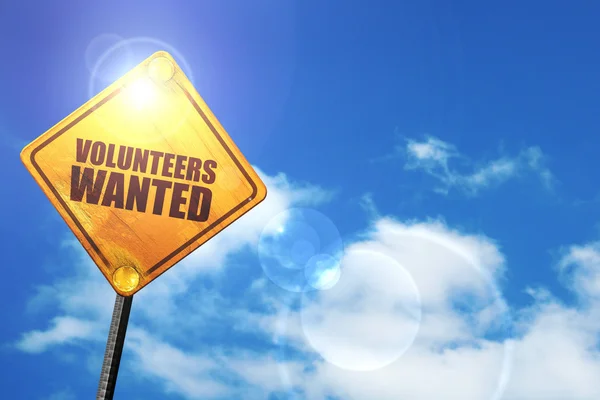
(141, 92)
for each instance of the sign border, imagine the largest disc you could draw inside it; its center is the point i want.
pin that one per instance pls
(181, 248)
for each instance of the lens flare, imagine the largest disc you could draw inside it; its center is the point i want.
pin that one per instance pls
(322, 271)
(369, 318)
(120, 58)
(141, 93)
(112, 67)
(375, 316)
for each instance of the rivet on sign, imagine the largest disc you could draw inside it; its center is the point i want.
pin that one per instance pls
(161, 68)
(126, 278)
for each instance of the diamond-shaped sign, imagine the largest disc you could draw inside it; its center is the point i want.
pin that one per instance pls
(143, 174)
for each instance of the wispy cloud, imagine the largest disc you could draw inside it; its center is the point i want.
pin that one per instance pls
(302, 193)
(368, 205)
(180, 372)
(455, 171)
(580, 268)
(63, 330)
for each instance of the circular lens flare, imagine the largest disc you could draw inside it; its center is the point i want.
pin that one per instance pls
(322, 272)
(296, 245)
(369, 318)
(355, 326)
(112, 67)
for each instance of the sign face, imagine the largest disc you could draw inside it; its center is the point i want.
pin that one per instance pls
(143, 174)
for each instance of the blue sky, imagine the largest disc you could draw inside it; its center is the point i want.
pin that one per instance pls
(451, 146)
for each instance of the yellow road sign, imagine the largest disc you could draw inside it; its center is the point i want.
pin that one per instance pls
(143, 174)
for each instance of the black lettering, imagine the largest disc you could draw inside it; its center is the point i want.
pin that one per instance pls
(156, 155)
(178, 200)
(84, 184)
(125, 155)
(167, 165)
(115, 190)
(110, 156)
(98, 153)
(209, 176)
(137, 193)
(193, 170)
(140, 161)
(200, 200)
(159, 200)
(179, 166)
(83, 149)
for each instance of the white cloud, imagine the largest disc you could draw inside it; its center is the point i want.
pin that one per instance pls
(63, 330)
(368, 204)
(265, 372)
(554, 354)
(367, 322)
(557, 358)
(461, 348)
(434, 157)
(580, 267)
(181, 372)
(431, 152)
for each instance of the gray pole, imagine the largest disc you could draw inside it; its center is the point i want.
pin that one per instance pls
(114, 348)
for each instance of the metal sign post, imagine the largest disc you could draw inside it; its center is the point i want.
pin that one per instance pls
(114, 348)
